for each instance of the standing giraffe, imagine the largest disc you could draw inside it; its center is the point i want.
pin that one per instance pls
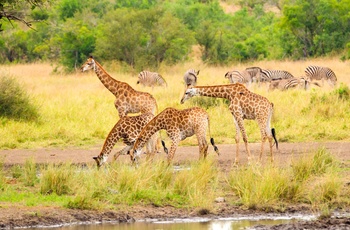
(179, 124)
(128, 100)
(243, 105)
(127, 128)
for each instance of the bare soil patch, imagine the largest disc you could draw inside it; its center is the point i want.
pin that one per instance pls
(22, 216)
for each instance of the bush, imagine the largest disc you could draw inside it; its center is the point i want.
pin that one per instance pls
(14, 101)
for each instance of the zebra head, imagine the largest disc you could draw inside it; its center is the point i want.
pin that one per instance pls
(189, 92)
(89, 64)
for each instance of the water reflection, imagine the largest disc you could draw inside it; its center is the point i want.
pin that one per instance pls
(192, 224)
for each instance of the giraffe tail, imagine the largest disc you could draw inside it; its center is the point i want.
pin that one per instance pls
(274, 137)
(165, 148)
(215, 147)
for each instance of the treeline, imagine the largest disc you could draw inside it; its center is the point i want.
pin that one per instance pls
(145, 33)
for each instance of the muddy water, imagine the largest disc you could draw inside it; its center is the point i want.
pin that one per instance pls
(191, 224)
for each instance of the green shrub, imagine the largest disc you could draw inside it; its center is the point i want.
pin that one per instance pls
(15, 103)
(343, 92)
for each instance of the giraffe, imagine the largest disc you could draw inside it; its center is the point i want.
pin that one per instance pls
(127, 128)
(179, 124)
(243, 105)
(128, 100)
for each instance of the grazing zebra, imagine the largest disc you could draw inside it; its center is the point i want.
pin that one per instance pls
(190, 77)
(269, 75)
(317, 73)
(254, 73)
(147, 78)
(285, 84)
(239, 76)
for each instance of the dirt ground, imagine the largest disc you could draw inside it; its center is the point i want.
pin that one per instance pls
(22, 216)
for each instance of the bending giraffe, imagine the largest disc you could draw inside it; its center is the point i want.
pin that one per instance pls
(128, 100)
(179, 124)
(243, 105)
(127, 129)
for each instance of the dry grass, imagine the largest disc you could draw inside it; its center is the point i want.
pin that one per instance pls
(77, 109)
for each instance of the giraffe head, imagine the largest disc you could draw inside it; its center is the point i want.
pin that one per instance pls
(89, 64)
(100, 160)
(189, 92)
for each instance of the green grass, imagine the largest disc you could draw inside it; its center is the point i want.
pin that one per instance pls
(316, 181)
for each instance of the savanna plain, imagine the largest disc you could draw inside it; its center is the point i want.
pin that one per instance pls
(48, 175)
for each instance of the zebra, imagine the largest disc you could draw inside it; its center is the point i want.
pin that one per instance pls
(254, 73)
(239, 76)
(190, 77)
(269, 75)
(317, 73)
(151, 79)
(285, 84)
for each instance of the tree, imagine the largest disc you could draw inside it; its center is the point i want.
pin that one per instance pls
(318, 26)
(143, 38)
(14, 10)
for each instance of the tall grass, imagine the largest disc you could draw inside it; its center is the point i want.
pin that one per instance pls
(314, 179)
(77, 110)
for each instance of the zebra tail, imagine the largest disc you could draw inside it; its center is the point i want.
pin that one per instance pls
(164, 147)
(274, 137)
(216, 149)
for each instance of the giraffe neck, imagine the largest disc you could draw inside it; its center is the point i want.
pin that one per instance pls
(110, 141)
(110, 83)
(218, 91)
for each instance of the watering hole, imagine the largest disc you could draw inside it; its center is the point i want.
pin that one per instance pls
(243, 222)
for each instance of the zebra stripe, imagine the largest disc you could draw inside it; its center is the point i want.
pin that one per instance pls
(285, 84)
(151, 79)
(239, 76)
(190, 77)
(254, 73)
(316, 73)
(269, 75)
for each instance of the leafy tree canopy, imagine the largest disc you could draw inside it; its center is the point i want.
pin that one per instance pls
(15, 10)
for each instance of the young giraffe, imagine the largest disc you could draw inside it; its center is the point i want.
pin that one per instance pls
(243, 105)
(127, 128)
(127, 100)
(179, 124)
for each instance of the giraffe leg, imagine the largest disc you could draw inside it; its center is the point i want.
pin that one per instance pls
(202, 143)
(240, 127)
(151, 146)
(173, 148)
(236, 140)
(203, 148)
(122, 152)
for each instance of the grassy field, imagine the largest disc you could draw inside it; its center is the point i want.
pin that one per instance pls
(315, 181)
(77, 110)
